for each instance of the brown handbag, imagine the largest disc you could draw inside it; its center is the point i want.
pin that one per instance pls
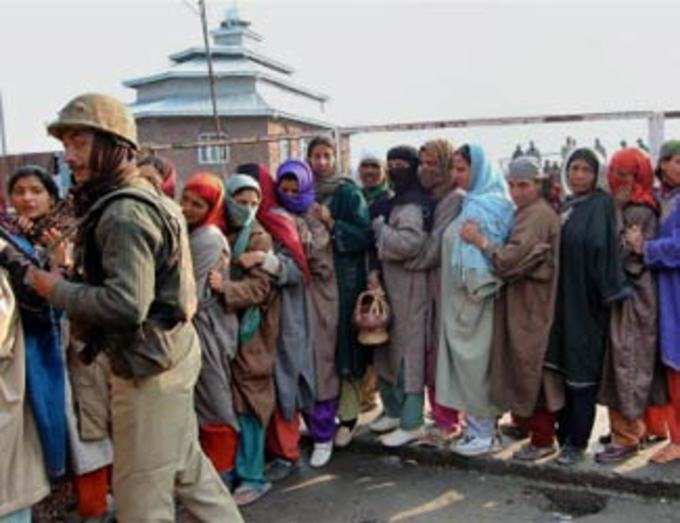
(372, 317)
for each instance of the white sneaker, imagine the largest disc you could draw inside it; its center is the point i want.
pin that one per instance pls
(321, 454)
(343, 437)
(471, 446)
(400, 437)
(384, 424)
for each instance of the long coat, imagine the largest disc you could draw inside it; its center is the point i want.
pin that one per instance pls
(429, 259)
(253, 367)
(351, 240)
(23, 481)
(591, 279)
(398, 241)
(294, 369)
(464, 352)
(524, 308)
(631, 377)
(323, 307)
(217, 329)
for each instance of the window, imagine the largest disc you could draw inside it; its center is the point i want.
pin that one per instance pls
(303, 148)
(284, 150)
(212, 154)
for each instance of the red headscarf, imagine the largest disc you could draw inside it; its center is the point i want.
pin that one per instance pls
(209, 187)
(632, 160)
(280, 226)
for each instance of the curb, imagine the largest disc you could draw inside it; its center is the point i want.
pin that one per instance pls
(605, 479)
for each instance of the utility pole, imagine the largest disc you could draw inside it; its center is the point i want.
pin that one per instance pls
(3, 135)
(211, 75)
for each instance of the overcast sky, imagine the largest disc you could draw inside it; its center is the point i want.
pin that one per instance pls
(379, 61)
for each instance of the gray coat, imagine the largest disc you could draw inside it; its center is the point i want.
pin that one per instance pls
(217, 330)
(397, 241)
(294, 370)
(429, 258)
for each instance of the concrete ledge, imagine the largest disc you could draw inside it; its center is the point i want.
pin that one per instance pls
(634, 476)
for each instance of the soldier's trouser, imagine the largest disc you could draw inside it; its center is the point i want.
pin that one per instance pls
(156, 450)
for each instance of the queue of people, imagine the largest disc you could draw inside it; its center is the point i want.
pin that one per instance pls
(178, 350)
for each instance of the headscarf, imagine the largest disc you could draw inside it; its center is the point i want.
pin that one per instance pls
(526, 168)
(209, 188)
(669, 149)
(376, 192)
(281, 226)
(488, 203)
(406, 184)
(593, 159)
(637, 162)
(443, 180)
(243, 217)
(301, 203)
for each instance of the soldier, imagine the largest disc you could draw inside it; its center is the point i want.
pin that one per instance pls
(135, 299)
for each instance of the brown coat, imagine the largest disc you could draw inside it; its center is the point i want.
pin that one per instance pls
(253, 366)
(632, 377)
(524, 310)
(323, 308)
(23, 481)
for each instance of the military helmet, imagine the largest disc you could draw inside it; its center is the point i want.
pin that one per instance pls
(99, 112)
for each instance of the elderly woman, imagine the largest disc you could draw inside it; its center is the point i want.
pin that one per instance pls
(249, 292)
(217, 327)
(468, 290)
(662, 254)
(591, 279)
(341, 206)
(631, 381)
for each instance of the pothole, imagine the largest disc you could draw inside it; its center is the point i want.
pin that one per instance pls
(566, 504)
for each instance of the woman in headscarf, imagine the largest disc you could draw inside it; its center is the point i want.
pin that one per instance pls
(294, 369)
(248, 291)
(523, 310)
(591, 279)
(436, 176)
(631, 361)
(295, 193)
(468, 290)
(217, 327)
(341, 206)
(399, 238)
(662, 255)
(377, 191)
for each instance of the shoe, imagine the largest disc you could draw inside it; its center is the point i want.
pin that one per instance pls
(384, 424)
(513, 431)
(652, 439)
(670, 452)
(344, 435)
(532, 453)
(248, 492)
(614, 453)
(321, 454)
(399, 437)
(438, 437)
(571, 456)
(470, 446)
(280, 469)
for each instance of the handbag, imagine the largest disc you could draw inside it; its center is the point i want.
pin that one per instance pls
(372, 317)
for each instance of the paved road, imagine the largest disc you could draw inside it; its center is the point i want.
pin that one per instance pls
(358, 488)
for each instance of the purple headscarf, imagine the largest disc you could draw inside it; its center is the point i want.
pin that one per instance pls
(303, 174)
